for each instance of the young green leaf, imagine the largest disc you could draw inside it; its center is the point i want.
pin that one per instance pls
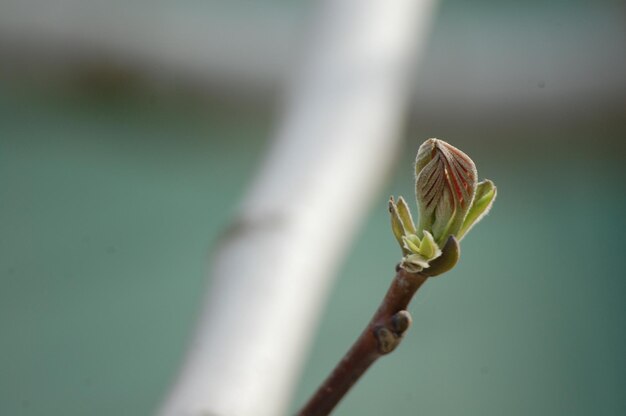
(485, 195)
(396, 224)
(405, 216)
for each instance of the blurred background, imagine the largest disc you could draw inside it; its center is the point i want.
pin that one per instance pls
(130, 130)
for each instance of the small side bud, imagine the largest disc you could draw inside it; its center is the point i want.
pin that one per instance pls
(401, 321)
(387, 340)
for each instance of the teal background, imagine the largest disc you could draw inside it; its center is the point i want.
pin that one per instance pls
(109, 208)
(532, 319)
(112, 195)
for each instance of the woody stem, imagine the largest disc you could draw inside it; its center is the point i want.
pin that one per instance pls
(380, 337)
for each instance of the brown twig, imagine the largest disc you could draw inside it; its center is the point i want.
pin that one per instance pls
(381, 336)
(383, 333)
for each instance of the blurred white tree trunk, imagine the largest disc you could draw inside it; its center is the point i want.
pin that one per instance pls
(335, 143)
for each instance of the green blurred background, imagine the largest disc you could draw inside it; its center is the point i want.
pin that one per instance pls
(113, 192)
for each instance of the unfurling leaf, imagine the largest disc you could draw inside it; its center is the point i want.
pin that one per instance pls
(445, 185)
(485, 195)
(450, 202)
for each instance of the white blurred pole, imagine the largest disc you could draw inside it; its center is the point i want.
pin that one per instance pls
(335, 143)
